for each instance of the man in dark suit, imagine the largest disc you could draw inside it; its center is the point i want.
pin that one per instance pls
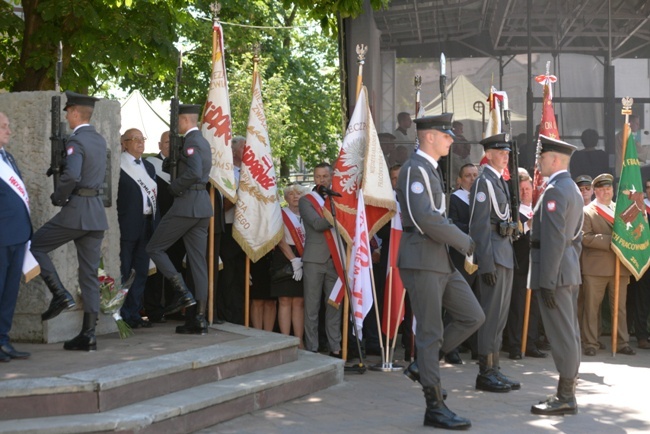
(490, 227)
(137, 212)
(555, 270)
(188, 218)
(459, 215)
(158, 290)
(15, 231)
(427, 272)
(82, 219)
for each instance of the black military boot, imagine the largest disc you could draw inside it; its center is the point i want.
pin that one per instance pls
(195, 323)
(84, 341)
(563, 402)
(514, 385)
(184, 298)
(487, 379)
(61, 299)
(438, 414)
(413, 373)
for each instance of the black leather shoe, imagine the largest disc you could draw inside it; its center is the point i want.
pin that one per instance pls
(627, 350)
(8, 350)
(453, 358)
(514, 385)
(184, 299)
(4, 357)
(438, 414)
(515, 355)
(196, 326)
(413, 372)
(535, 353)
(590, 351)
(489, 382)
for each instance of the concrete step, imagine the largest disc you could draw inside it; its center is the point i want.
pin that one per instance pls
(119, 384)
(200, 406)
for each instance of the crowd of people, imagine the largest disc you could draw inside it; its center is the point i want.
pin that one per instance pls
(465, 263)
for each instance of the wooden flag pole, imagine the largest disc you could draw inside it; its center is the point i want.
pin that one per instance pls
(346, 309)
(361, 59)
(388, 316)
(211, 261)
(626, 134)
(215, 7)
(247, 292)
(524, 333)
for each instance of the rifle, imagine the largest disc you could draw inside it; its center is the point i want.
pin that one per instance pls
(57, 139)
(175, 141)
(513, 163)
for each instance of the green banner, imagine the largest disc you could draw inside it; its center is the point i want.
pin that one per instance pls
(631, 235)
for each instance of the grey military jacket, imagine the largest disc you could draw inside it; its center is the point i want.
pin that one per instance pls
(556, 236)
(85, 168)
(491, 248)
(194, 167)
(427, 251)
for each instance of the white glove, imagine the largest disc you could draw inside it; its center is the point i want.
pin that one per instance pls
(296, 263)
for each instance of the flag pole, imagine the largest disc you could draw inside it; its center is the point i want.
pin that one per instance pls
(215, 7)
(361, 59)
(397, 323)
(247, 292)
(524, 333)
(417, 82)
(626, 111)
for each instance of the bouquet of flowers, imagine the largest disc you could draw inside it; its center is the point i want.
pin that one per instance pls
(112, 296)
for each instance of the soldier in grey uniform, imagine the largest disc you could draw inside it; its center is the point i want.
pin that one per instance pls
(82, 219)
(556, 243)
(427, 271)
(188, 218)
(492, 229)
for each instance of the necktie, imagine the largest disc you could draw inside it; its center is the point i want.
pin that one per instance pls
(138, 161)
(6, 159)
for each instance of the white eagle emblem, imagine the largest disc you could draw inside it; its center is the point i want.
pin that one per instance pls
(350, 178)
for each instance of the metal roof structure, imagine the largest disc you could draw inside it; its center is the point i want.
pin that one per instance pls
(490, 28)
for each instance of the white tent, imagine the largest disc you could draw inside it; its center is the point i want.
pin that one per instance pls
(461, 96)
(150, 117)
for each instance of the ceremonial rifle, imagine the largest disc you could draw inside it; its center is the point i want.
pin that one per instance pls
(175, 141)
(57, 138)
(514, 179)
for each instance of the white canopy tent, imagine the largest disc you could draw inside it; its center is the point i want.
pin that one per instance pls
(150, 117)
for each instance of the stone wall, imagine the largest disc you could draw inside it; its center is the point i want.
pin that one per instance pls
(29, 117)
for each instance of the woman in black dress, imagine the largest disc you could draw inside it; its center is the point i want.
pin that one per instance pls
(289, 251)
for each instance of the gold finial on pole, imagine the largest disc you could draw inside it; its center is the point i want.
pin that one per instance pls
(361, 60)
(257, 48)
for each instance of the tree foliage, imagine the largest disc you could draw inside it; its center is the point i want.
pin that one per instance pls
(133, 44)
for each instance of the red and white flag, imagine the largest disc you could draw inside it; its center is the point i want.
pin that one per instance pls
(360, 164)
(548, 127)
(360, 269)
(394, 291)
(258, 223)
(216, 125)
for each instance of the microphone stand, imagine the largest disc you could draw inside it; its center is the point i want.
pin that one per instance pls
(360, 367)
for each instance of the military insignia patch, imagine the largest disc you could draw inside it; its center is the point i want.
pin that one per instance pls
(70, 150)
(417, 187)
(480, 196)
(189, 151)
(551, 206)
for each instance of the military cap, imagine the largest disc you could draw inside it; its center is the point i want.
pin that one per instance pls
(583, 180)
(78, 99)
(497, 141)
(189, 109)
(554, 145)
(441, 123)
(602, 180)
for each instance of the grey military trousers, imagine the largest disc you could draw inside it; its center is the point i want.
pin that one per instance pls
(429, 293)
